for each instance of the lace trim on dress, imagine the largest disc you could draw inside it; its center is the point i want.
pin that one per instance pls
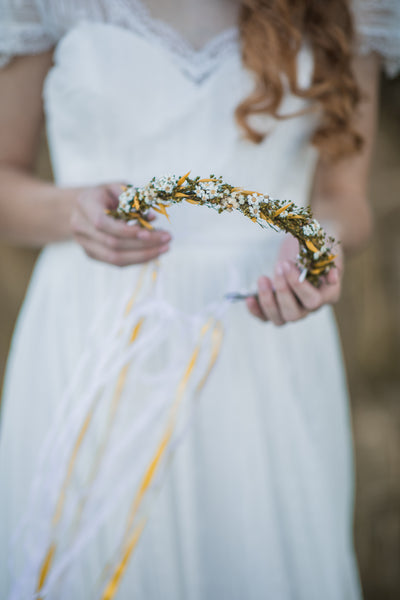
(378, 29)
(32, 26)
(198, 64)
(26, 43)
(21, 30)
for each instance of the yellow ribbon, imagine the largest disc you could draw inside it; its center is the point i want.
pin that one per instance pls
(46, 567)
(48, 560)
(112, 586)
(131, 540)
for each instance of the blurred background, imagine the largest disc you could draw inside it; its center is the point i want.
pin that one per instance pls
(369, 323)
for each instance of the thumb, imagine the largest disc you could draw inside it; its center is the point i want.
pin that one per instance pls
(113, 191)
(115, 188)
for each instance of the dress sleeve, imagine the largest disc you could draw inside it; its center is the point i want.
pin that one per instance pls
(22, 30)
(377, 25)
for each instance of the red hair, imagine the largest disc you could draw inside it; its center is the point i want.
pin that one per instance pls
(272, 32)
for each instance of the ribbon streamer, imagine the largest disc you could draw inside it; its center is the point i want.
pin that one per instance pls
(48, 560)
(131, 539)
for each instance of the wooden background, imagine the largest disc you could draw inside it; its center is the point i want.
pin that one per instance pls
(369, 320)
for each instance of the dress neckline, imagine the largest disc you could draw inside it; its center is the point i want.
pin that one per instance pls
(196, 63)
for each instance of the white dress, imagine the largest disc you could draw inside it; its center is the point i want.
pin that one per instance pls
(257, 502)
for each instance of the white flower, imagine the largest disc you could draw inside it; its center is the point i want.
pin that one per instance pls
(127, 195)
(166, 183)
(254, 210)
(200, 193)
(310, 230)
(148, 194)
(253, 200)
(316, 224)
(208, 190)
(125, 199)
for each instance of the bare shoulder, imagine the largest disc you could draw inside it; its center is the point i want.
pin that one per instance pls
(21, 108)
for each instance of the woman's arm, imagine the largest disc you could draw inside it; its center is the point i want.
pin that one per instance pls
(34, 212)
(339, 202)
(340, 193)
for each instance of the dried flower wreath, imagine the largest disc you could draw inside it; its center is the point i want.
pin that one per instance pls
(315, 256)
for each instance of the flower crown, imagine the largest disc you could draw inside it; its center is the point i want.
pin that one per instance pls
(315, 247)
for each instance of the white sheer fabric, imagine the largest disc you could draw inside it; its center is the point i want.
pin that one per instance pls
(22, 30)
(32, 26)
(378, 29)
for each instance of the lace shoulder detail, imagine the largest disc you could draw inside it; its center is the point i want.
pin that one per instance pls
(197, 64)
(32, 26)
(378, 30)
(21, 30)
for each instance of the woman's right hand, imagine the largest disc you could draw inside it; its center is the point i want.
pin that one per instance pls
(106, 239)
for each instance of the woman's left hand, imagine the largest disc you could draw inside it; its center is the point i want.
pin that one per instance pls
(284, 298)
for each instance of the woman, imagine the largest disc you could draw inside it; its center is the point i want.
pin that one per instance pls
(258, 501)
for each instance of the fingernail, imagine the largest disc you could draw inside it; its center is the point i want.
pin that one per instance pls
(303, 275)
(286, 266)
(279, 270)
(263, 284)
(164, 248)
(143, 235)
(165, 237)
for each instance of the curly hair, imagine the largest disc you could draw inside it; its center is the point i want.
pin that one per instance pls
(272, 32)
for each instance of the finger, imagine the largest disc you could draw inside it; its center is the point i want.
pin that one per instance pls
(83, 226)
(112, 226)
(289, 306)
(267, 301)
(333, 276)
(94, 205)
(94, 220)
(115, 190)
(120, 258)
(254, 308)
(309, 296)
(152, 238)
(331, 288)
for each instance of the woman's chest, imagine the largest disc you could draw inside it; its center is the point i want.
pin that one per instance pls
(196, 22)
